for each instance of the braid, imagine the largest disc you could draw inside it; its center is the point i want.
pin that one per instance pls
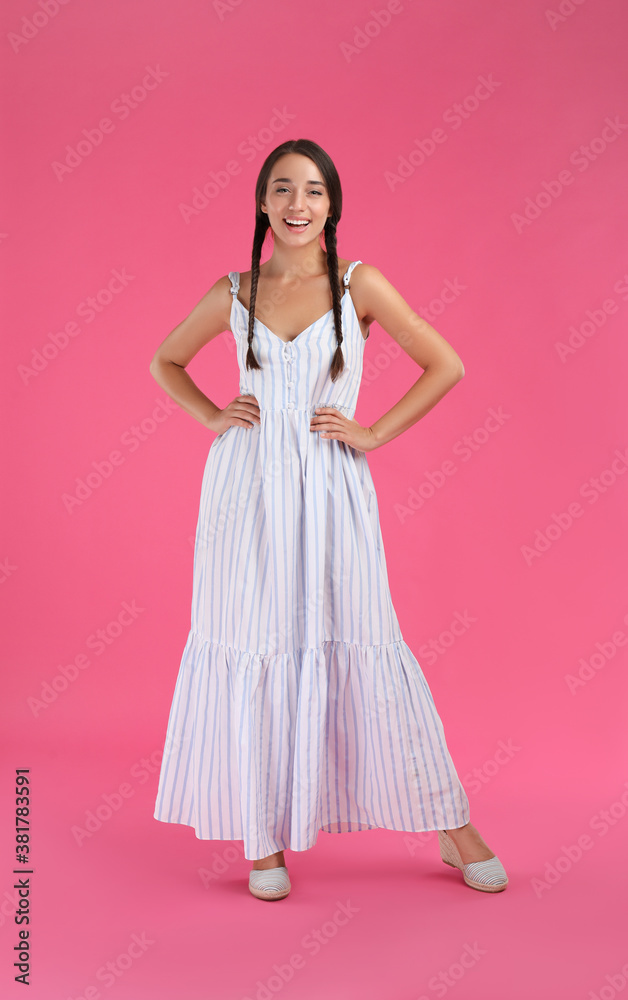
(338, 364)
(261, 225)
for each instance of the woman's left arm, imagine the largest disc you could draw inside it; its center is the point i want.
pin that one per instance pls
(376, 300)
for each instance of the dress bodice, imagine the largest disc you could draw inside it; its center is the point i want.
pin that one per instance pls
(295, 375)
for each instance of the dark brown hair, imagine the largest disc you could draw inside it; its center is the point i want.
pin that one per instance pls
(330, 175)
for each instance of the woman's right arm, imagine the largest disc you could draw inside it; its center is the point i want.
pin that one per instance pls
(209, 318)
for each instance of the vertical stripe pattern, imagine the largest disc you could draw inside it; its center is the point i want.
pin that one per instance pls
(298, 706)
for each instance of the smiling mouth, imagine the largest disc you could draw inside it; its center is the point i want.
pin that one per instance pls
(297, 226)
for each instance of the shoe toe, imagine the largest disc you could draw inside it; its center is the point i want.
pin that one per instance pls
(270, 883)
(489, 875)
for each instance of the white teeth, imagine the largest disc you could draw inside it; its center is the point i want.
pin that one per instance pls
(298, 222)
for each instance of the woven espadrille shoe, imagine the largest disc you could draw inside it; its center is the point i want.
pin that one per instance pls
(269, 883)
(489, 876)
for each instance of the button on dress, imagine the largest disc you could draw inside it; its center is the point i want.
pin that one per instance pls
(298, 706)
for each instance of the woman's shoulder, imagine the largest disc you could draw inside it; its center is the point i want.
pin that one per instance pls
(364, 276)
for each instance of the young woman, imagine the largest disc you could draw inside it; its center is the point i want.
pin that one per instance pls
(298, 706)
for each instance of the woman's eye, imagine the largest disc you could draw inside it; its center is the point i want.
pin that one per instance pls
(279, 190)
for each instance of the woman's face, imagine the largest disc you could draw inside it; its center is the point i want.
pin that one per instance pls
(296, 191)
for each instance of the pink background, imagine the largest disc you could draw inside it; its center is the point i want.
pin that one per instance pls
(525, 286)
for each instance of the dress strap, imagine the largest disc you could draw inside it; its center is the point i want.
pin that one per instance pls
(347, 274)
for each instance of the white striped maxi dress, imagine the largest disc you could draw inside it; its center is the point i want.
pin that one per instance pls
(298, 706)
